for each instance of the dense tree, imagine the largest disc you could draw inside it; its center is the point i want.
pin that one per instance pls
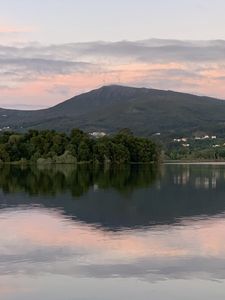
(84, 153)
(4, 155)
(49, 146)
(101, 151)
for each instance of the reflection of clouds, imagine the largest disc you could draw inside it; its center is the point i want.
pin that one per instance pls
(40, 241)
(157, 270)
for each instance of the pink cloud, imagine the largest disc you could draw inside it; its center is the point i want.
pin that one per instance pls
(7, 29)
(46, 89)
(51, 74)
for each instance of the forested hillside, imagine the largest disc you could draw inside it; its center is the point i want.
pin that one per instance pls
(110, 108)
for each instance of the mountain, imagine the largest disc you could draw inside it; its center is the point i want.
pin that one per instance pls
(110, 108)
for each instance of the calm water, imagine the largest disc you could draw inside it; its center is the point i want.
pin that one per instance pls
(129, 233)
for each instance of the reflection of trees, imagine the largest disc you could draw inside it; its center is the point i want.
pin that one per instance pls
(127, 178)
(175, 196)
(52, 180)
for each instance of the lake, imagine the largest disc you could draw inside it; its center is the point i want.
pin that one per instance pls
(135, 232)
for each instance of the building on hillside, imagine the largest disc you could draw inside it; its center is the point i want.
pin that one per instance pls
(98, 134)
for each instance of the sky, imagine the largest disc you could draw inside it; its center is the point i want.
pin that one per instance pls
(51, 50)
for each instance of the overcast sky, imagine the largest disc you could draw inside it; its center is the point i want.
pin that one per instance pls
(62, 48)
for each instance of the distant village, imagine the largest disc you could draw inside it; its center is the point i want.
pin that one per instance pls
(185, 141)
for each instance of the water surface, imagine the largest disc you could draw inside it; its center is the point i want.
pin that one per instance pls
(128, 233)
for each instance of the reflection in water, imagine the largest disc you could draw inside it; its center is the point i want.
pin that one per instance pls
(207, 176)
(57, 179)
(149, 234)
(129, 197)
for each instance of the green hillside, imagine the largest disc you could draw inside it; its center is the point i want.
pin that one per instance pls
(110, 108)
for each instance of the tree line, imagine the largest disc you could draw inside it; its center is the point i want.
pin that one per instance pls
(49, 146)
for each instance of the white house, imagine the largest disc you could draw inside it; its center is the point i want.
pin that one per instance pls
(98, 134)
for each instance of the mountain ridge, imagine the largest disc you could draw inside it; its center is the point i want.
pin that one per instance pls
(113, 107)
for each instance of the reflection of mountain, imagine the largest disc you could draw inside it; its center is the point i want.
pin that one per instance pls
(117, 198)
(56, 245)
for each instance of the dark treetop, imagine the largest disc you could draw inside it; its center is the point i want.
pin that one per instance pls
(54, 147)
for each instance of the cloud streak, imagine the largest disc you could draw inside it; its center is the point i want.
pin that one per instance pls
(13, 30)
(189, 66)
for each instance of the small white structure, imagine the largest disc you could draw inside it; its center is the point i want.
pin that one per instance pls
(213, 137)
(216, 146)
(184, 139)
(186, 145)
(206, 137)
(98, 134)
(181, 140)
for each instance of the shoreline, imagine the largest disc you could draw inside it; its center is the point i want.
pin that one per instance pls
(165, 162)
(24, 163)
(194, 162)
